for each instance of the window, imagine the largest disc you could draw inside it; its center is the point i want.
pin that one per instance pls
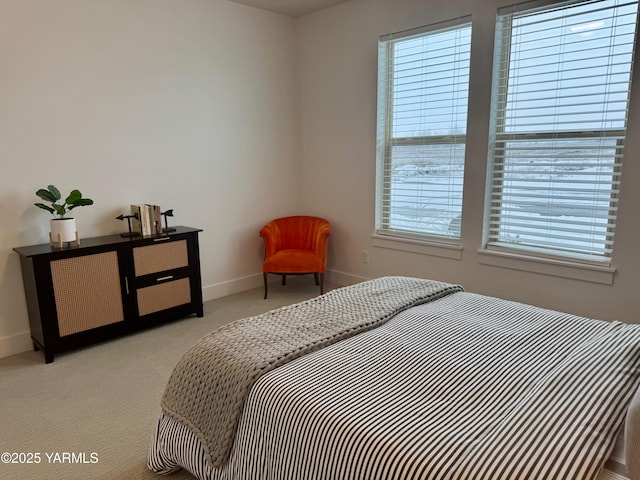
(562, 77)
(423, 84)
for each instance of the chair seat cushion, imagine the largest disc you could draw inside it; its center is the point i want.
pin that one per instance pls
(293, 261)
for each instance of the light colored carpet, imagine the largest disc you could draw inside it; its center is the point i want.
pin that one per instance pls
(99, 404)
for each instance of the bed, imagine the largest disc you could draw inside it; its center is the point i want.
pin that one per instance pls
(405, 378)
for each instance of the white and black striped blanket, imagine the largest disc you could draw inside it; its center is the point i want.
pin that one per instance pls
(208, 387)
(465, 387)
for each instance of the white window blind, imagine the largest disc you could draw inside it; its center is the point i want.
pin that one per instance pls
(562, 78)
(423, 84)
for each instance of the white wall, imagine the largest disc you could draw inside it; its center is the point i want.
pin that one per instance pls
(189, 104)
(337, 48)
(231, 115)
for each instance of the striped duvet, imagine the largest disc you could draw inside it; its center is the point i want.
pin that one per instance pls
(465, 387)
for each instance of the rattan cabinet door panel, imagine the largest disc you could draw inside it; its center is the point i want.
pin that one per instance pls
(87, 292)
(160, 257)
(163, 296)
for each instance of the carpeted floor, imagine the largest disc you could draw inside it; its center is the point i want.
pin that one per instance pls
(90, 413)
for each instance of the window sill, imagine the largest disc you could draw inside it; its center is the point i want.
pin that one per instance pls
(423, 247)
(602, 274)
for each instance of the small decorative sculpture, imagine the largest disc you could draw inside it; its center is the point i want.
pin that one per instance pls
(168, 213)
(129, 233)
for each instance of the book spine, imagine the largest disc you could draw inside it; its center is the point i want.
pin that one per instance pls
(152, 228)
(158, 218)
(151, 219)
(144, 220)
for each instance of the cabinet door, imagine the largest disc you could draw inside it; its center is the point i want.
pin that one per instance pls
(165, 266)
(87, 292)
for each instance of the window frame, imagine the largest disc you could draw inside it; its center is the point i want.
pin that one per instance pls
(385, 235)
(499, 253)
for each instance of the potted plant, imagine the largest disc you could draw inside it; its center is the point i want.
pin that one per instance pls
(63, 228)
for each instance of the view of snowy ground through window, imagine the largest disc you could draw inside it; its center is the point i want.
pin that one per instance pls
(542, 178)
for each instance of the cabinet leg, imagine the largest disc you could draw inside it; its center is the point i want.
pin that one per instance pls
(48, 357)
(36, 348)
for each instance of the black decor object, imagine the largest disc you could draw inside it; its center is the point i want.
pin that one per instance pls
(168, 213)
(129, 233)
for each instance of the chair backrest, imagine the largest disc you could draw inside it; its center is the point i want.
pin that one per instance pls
(299, 231)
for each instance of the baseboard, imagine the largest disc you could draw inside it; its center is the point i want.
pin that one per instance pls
(343, 278)
(229, 287)
(14, 344)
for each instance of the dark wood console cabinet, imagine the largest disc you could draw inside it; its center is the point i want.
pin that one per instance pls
(108, 286)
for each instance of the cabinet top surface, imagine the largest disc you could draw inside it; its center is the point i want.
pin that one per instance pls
(46, 248)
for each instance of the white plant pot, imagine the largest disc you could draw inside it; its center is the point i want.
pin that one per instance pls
(63, 230)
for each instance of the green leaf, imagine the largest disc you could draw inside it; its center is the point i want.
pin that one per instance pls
(46, 195)
(81, 203)
(54, 192)
(45, 207)
(73, 197)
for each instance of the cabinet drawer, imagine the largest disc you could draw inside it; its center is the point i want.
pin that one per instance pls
(160, 257)
(87, 292)
(164, 295)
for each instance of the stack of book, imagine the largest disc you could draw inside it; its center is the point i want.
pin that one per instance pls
(147, 219)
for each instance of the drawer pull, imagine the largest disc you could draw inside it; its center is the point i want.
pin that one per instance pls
(162, 279)
(161, 239)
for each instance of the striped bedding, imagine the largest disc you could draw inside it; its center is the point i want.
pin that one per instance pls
(465, 387)
(210, 400)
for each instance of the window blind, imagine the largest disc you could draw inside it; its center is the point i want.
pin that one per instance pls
(562, 79)
(423, 84)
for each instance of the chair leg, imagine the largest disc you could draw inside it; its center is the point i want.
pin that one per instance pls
(264, 276)
(316, 277)
(321, 283)
(284, 279)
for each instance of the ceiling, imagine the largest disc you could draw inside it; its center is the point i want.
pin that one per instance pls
(292, 8)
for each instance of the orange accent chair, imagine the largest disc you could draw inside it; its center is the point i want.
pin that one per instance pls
(295, 245)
